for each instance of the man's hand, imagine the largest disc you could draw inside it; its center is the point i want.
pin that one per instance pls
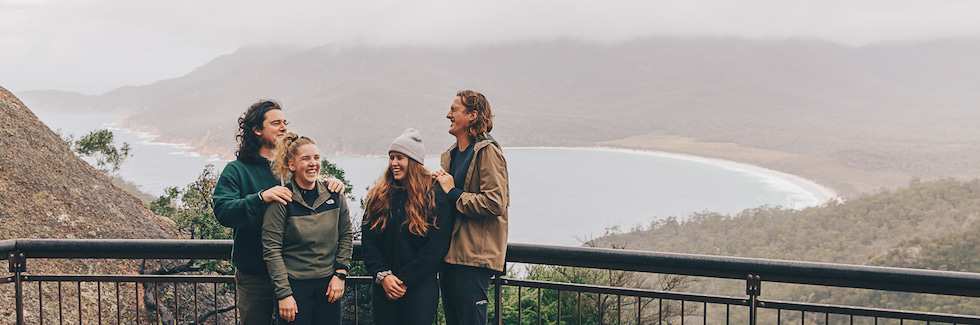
(277, 193)
(334, 185)
(445, 180)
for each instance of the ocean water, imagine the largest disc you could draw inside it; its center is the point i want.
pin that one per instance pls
(152, 165)
(559, 196)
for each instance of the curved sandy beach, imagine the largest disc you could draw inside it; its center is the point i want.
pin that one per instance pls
(817, 194)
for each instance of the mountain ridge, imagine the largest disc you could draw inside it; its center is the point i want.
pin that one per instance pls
(907, 101)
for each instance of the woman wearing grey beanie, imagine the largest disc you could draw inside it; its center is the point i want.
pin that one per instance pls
(406, 232)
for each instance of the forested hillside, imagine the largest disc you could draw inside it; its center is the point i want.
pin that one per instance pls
(955, 252)
(850, 232)
(930, 225)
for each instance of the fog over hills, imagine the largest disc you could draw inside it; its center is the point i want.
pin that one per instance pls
(854, 118)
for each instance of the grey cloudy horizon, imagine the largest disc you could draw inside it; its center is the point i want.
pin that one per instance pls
(94, 46)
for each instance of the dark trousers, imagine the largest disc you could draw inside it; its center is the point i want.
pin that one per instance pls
(417, 307)
(465, 293)
(311, 303)
(256, 298)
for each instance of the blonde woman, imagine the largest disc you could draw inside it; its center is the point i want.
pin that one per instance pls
(244, 191)
(406, 231)
(307, 242)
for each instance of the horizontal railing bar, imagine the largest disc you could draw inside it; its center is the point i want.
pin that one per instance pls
(573, 287)
(7, 279)
(129, 278)
(840, 275)
(7, 246)
(359, 279)
(871, 312)
(153, 278)
(122, 248)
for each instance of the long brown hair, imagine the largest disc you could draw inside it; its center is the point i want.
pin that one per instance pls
(419, 205)
(285, 151)
(475, 101)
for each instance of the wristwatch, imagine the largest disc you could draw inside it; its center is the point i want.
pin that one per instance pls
(381, 276)
(341, 276)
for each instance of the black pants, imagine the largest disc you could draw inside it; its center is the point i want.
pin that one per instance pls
(312, 304)
(465, 294)
(417, 307)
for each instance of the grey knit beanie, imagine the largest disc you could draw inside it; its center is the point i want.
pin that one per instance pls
(410, 144)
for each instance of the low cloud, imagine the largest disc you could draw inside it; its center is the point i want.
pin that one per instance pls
(97, 45)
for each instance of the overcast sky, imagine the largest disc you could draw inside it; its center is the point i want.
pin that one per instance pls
(93, 46)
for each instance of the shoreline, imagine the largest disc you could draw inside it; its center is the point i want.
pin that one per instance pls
(821, 194)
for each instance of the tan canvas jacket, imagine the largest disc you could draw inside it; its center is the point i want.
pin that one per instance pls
(480, 234)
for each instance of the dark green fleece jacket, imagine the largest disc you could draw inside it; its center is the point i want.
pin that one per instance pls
(237, 205)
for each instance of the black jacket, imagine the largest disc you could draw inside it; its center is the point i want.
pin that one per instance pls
(408, 256)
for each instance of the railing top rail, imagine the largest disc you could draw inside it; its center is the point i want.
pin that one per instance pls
(7, 246)
(118, 248)
(840, 275)
(816, 273)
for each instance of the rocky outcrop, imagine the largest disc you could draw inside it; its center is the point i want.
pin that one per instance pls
(48, 192)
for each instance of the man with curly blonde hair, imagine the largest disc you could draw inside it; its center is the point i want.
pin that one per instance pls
(474, 176)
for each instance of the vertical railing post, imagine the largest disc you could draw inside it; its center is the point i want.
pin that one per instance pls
(498, 283)
(753, 288)
(17, 264)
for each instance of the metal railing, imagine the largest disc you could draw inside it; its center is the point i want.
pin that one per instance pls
(573, 303)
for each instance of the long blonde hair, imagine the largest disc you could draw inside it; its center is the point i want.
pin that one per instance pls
(419, 205)
(285, 151)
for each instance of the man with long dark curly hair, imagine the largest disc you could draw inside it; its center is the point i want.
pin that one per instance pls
(244, 190)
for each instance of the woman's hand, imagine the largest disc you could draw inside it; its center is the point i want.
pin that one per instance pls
(334, 185)
(394, 287)
(445, 180)
(287, 309)
(336, 288)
